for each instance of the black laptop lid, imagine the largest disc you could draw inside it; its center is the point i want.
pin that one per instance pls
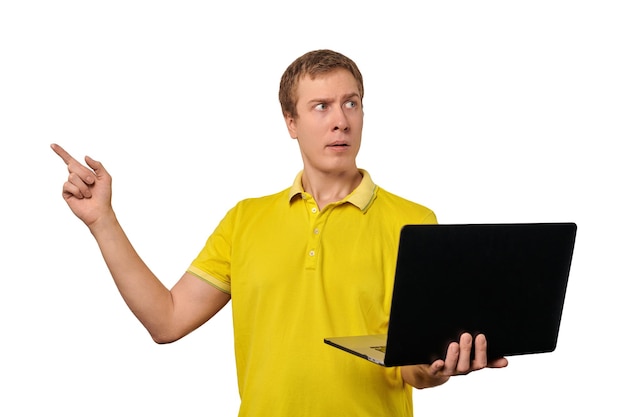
(506, 281)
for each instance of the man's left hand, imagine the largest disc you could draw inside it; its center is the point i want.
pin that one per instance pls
(458, 361)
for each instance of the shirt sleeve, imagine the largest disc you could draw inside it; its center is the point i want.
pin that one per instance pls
(430, 218)
(213, 263)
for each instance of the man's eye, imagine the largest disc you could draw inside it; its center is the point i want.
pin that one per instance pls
(351, 104)
(321, 106)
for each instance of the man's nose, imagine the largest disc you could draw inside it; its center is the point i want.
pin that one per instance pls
(341, 121)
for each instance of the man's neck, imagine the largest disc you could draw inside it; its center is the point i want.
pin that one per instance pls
(328, 188)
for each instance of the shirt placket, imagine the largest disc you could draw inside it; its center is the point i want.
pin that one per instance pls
(315, 232)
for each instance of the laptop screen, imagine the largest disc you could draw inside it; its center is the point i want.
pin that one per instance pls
(507, 281)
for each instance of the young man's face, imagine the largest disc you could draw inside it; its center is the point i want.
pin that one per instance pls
(329, 122)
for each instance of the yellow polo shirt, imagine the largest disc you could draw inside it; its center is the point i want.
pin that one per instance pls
(297, 274)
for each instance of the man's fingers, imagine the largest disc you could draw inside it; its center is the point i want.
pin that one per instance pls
(79, 185)
(452, 359)
(480, 349)
(66, 157)
(458, 356)
(70, 190)
(97, 166)
(459, 361)
(465, 352)
(498, 363)
(73, 166)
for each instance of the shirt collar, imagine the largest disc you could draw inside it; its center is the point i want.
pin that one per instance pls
(362, 196)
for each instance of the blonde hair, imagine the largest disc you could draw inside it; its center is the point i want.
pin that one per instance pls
(312, 63)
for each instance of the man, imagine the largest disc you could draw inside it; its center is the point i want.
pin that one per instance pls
(314, 260)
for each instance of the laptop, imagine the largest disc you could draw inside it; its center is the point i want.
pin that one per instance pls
(506, 281)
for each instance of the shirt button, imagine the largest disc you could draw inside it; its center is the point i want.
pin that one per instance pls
(316, 231)
(312, 253)
(314, 210)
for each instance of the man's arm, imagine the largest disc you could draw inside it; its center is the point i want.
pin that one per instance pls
(458, 361)
(167, 315)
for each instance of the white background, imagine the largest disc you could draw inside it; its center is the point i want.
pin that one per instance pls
(484, 111)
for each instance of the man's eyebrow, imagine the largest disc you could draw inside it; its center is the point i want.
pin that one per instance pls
(326, 100)
(351, 95)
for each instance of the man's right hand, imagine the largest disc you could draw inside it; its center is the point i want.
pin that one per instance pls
(86, 191)
(167, 315)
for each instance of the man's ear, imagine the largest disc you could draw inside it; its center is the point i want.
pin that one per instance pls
(291, 123)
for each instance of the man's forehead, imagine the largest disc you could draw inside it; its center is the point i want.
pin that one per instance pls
(327, 82)
(321, 76)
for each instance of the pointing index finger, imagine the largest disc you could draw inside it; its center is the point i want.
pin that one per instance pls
(86, 175)
(66, 157)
